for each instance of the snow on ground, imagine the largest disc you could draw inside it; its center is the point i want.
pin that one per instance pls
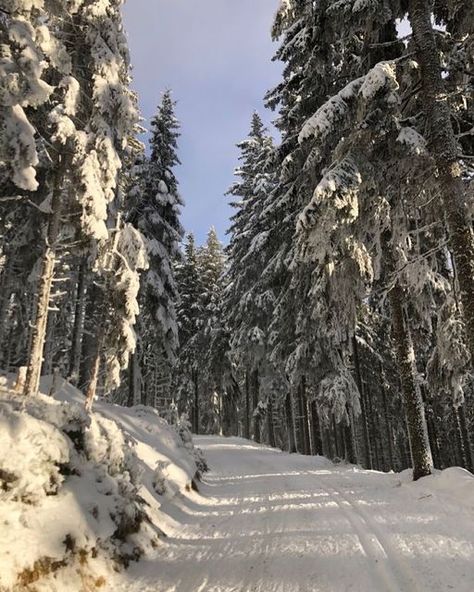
(79, 491)
(80, 495)
(267, 521)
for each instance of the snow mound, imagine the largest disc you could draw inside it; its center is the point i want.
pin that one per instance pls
(81, 493)
(454, 485)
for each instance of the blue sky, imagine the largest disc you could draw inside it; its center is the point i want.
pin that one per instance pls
(216, 57)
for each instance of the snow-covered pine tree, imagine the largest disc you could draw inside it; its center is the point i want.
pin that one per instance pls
(79, 132)
(156, 214)
(24, 74)
(249, 303)
(190, 312)
(455, 188)
(204, 375)
(27, 65)
(315, 64)
(349, 218)
(214, 362)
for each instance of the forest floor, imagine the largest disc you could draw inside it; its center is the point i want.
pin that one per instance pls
(267, 521)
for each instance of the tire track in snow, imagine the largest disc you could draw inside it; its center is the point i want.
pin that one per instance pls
(391, 569)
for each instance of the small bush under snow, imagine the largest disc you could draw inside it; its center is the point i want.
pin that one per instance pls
(80, 494)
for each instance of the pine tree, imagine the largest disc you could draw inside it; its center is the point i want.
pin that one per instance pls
(249, 301)
(156, 214)
(211, 265)
(443, 146)
(190, 311)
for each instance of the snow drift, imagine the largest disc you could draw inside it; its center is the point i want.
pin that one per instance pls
(81, 494)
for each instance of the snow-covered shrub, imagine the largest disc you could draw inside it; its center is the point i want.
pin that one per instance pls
(183, 427)
(69, 486)
(159, 477)
(32, 454)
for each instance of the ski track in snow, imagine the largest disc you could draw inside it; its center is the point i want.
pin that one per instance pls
(267, 521)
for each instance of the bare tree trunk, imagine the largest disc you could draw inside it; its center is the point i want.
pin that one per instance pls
(256, 417)
(443, 146)
(88, 344)
(373, 437)
(94, 378)
(35, 354)
(388, 424)
(78, 329)
(349, 451)
(290, 423)
(317, 439)
(271, 431)
(363, 405)
(196, 401)
(5, 297)
(303, 418)
(48, 350)
(413, 402)
(247, 407)
(466, 437)
(132, 378)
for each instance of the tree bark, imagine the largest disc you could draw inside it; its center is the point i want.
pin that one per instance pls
(5, 296)
(247, 407)
(360, 385)
(134, 394)
(256, 417)
(303, 418)
(444, 149)
(35, 354)
(290, 423)
(271, 431)
(196, 401)
(78, 329)
(89, 337)
(349, 450)
(413, 402)
(317, 439)
(388, 424)
(466, 437)
(94, 377)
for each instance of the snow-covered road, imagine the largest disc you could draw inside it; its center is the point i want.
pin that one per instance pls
(266, 521)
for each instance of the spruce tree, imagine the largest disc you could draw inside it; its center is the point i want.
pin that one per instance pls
(249, 301)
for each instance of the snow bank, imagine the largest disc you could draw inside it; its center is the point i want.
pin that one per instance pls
(81, 494)
(453, 485)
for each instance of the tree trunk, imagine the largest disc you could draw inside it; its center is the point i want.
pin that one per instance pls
(247, 407)
(443, 146)
(48, 350)
(339, 453)
(134, 394)
(89, 336)
(78, 329)
(360, 385)
(271, 431)
(466, 437)
(196, 401)
(94, 377)
(96, 356)
(317, 440)
(369, 408)
(303, 423)
(290, 423)
(413, 402)
(388, 424)
(256, 417)
(35, 354)
(349, 451)
(5, 297)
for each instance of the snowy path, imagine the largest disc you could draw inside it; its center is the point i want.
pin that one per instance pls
(270, 522)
